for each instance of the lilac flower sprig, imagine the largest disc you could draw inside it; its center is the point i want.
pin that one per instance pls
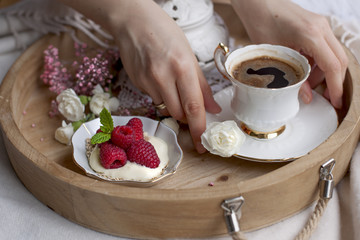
(55, 74)
(88, 71)
(91, 72)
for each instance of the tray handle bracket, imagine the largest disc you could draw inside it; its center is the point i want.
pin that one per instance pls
(326, 183)
(232, 212)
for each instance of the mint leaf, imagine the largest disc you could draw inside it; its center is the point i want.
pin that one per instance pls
(106, 121)
(106, 128)
(100, 137)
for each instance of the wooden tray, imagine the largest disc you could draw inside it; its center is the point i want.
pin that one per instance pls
(182, 206)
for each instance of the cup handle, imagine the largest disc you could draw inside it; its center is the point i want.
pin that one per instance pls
(219, 57)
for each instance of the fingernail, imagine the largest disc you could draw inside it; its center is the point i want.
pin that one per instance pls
(218, 108)
(305, 97)
(338, 103)
(200, 148)
(213, 108)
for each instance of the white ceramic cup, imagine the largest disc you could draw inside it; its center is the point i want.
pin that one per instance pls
(263, 112)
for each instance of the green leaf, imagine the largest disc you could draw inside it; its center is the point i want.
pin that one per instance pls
(89, 117)
(77, 124)
(84, 99)
(106, 121)
(106, 128)
(100, 137)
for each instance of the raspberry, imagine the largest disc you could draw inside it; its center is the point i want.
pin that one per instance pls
(137, 125)
(123, 136)
(143, 153)
(111, 156)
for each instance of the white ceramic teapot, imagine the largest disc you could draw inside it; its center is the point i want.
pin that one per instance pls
(203, 28)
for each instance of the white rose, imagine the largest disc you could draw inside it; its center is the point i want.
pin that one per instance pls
(223, 138)
(70, 106)
(102, 100)
(64, 133)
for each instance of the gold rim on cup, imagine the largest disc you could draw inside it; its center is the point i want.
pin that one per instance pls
(262, 135)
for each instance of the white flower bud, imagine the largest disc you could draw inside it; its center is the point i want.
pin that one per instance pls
(64, 133)
(101, 100)
(98, 102)
(114, 104)
(97, 89)
(171, 123)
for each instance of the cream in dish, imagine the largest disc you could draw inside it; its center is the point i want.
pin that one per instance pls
(132, 171)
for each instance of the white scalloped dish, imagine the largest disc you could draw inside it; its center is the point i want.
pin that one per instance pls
(151, 127)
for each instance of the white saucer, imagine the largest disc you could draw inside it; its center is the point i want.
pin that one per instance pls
(313, 124)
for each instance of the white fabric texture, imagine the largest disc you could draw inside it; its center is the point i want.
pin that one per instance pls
(22, 216)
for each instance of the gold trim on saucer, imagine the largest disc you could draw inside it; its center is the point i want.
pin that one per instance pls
(262, 135)
(270, 160)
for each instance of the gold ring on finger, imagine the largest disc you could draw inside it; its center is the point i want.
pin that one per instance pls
(160, 106)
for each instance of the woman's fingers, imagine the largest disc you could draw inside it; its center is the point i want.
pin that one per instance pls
(333, 70)
(210, 104)
(319, 42)
(305, 93)
(316, 77)
(183, 89)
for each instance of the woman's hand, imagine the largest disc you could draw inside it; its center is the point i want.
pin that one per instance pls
(285, 23)
(160, 62)
(157, 57)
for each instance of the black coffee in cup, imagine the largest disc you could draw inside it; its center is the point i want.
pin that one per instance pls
(267, 72)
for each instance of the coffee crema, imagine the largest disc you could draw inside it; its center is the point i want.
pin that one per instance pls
(267, 72)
